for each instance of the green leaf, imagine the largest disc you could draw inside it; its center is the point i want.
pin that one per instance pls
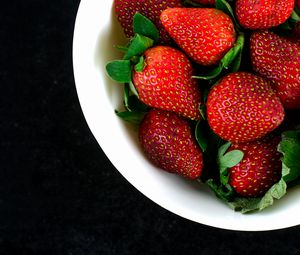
(234, 51)
(133, 89)
(126, 96)
(233, 56)
(137, 46)
(221, 187)
(246, 205)
(132, 117)
(294, 17)
(144, 26)
(290, 148)
(132, 102)
(119, 70)
(223, 149)
(200, 134)
(212, 74)
(231, 158)
(227, 160)
(121, 48)
(225, 7)
(202, 110)
(222, 192)
(139, 67)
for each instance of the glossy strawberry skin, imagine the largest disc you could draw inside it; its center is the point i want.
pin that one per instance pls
(167, 140)
(263, 14)
(243, 107)
(204, 34)
(166, 82)
(152, 9)
(278, 59)
(259, 169)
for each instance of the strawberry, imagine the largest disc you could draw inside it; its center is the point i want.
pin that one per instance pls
(205, 34)
(262, 14)
(243, 107)
(278, 59)
(259, 169)
(166, 82)
(168, 142)
(152, 9)
(297, 4)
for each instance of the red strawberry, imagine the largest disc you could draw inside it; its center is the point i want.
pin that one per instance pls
(261, 14)
(205, 34)
(166, 82)
(243, 107)
(152, 9)
(205, 2)
(259, 169)
(168, 142)
(278, 59)
(297, 3)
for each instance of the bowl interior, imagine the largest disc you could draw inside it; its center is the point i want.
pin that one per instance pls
(96, 33)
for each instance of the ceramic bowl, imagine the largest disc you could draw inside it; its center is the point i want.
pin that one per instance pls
(96, 33)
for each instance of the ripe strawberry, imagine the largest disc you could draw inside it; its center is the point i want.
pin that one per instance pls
(166, 82)
(278, 59)
(261, 14)
(205, 34)
(205, 2)
(259, 169)
(152, 9)
(297, 3)
(168, 142)
(243, 107)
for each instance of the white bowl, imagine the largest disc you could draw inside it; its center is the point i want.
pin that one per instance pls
(96, 33)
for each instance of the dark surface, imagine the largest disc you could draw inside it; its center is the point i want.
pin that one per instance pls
(59, 194)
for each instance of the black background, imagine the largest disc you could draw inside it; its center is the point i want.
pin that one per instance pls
(59, 194)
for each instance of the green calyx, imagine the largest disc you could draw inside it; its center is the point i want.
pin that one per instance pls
(146, 35)
(138, 45)
(121, 70)
(231, 61)
(142, 25)
(134, 108)
(225, 161)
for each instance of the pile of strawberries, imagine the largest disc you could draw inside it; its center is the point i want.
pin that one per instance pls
(214, 86)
